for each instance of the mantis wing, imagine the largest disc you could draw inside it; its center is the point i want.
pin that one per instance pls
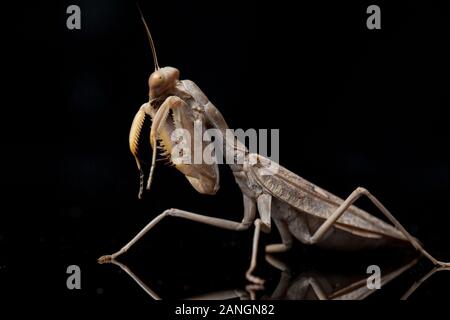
(310, 199)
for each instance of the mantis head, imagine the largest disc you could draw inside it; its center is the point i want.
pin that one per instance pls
(162, 80)
(172, 130)
(174, 125)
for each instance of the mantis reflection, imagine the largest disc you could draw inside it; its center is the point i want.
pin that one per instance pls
(306, 285)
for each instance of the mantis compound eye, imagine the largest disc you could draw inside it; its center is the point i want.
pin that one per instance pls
(156, 80)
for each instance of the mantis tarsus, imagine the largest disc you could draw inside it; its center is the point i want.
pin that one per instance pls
(299, 209)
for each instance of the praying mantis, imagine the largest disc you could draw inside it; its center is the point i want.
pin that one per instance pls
(299, 209)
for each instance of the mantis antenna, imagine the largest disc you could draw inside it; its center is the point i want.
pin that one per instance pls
(150, 39)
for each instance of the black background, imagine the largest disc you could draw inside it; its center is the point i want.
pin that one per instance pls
(355, 107)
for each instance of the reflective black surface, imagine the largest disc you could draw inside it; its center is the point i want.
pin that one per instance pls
(354, 108)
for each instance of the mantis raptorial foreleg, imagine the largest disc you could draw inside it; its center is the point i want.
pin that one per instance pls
(355, 195)
(171, 103)
(135, 137)
(249, 216)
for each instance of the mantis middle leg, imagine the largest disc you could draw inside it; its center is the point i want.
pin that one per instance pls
(249, 216)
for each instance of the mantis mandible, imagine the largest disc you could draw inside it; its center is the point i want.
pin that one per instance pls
(300, 210)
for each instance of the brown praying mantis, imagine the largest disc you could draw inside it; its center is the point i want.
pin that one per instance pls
(300, 210)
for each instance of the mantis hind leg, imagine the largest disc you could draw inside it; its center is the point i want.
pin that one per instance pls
(325, 227)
